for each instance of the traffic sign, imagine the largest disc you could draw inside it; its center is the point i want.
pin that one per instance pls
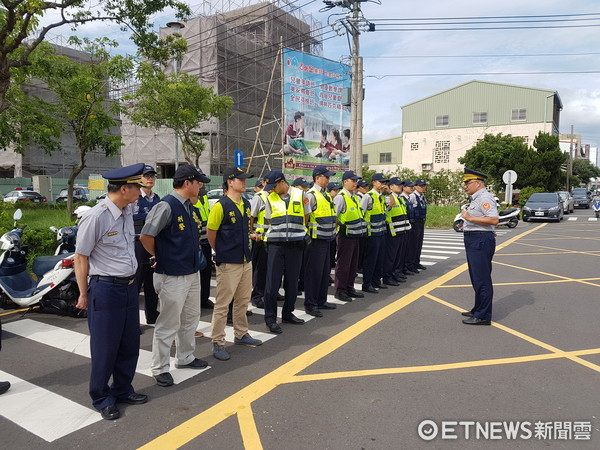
(238, 158)
(509, 177)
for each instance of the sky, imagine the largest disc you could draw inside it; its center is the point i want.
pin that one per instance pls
(404, 66)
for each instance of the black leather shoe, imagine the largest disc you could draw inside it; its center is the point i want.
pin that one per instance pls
(391, 282)
(327, 305)
(421, 267)
(207, 305)
(408, 272)
(110, 413)
(414, 271)
(467, 314)
(379, 286)
(280, 298)
(259, 304)
(249, 313)
(314, 312)
(195, 364)
(4, 386)
(164, 379)
(476, 321)
(274, 328)
(292, 319)
(134, 399)
(354, 293)
(370, 290)
(399, 279)
(343, 296)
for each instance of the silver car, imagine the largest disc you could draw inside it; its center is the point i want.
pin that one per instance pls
(568, 202)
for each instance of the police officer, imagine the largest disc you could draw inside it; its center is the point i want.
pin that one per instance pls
(144, 273)
(105, 253)
(407, 190)
(481, 218)
(398, 224)
(301, 184)
(259, 248)
(419, 208)
(373, 206)
(322, 226)
(362, 189)
(172, 235)
(287, 213)
(205, 274)
(352, 227)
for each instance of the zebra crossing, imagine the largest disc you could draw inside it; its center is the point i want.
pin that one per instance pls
(590, 219)
(42, 420)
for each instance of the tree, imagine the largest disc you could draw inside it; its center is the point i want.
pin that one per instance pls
(82, 98)
(583, 170)
(178, 102)
(21, 33)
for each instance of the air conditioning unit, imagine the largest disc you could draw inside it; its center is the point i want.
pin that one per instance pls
(426, 166)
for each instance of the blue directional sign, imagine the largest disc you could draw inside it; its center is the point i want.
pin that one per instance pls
(238, 158)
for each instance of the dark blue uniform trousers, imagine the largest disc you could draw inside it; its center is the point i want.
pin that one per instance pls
(259, 271)
(374, 260)
(480, 248)
(114, 322)
(347, 262)
(205, 275)
(415, 244)
(284, 260)
(402, 249)
(317, 269)
(393, 255)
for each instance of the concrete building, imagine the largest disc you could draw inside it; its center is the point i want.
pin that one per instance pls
(439, 129)
(232, 50)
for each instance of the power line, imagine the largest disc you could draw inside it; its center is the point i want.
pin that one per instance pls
(582, 72)
(481, 56)
(491, 28)
(492, 17)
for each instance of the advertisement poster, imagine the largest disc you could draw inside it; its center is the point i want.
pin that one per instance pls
(316, 128)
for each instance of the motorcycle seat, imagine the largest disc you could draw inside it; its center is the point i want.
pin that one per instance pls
(506, 212)
(19, 285)
(43, 264)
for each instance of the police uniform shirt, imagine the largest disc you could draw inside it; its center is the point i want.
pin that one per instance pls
(312, 201)
(482, 204)
(256, 205)
(106, 235)
(286, 198)
(160, 216)
(366, 203)
(136, 208)
(413, 198)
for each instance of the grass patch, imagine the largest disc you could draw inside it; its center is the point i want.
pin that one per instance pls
(441, 217)
(46, 218)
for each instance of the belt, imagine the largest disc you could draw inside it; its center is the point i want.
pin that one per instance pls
(115, 280)
(474, 232)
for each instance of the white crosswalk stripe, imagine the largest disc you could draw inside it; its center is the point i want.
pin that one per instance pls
(573, 219)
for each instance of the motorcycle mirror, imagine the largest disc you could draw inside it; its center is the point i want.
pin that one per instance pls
(54, 229)
(18, 214)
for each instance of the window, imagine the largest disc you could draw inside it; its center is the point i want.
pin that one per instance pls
(385, 158)
(479, 117)
(441, 121)
(441, 152)
(414, 146)
(365, 158)
(518, 115)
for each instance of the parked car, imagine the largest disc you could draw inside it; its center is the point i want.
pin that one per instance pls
(215, 194)
(24, 196)
(568, 202)
(581, 198)
(80, 194)
(101, 197)
(543, 205)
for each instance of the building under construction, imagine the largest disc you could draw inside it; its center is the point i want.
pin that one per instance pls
(235, 49)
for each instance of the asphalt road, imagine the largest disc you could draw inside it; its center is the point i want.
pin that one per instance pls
(365, 375)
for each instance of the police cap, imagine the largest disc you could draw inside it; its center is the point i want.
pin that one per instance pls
(470, 174)
(408, 183)
(362, 183)
(235, 172)
(379, 177)
(397, 181)
(333, 187)
(125, 175)
(300, 182)
(421, 182)
(322, 170)
(188, 172)
(350, 175)
(272, 178)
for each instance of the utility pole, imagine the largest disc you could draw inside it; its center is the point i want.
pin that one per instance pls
(570, 160)
(175, 27)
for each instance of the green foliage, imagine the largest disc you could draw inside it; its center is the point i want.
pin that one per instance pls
(540, 167)
(445, 187)
(441, 217)
(526, 192)
(583, 170)
(178, 102)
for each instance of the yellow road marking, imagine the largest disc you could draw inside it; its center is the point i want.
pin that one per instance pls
(14, 311)
(194, 427)
(558, 249)
(438, 367)
(541, 252)
(523, 336)
(248, 428)
(517, 283)
(547, 274)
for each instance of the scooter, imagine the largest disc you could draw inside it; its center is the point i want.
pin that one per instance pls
(508, 217)
(67, 236)
(596, 207)
(55, 289)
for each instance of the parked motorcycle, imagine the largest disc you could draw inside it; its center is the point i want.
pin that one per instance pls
(596, 207)
(54, 290)
(67, 236)
(508, 217)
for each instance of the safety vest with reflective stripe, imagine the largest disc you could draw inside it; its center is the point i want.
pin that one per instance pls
(287, 223)
(322, 222)
(353, 224)
(397, 217)
(204, 208)
(375, 217)
(259, 224)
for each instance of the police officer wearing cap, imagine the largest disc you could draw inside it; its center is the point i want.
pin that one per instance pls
(373, 206)
(398, 227)
(205, 274)
(322, 228)
(481, 218)
(407, 190)
(259, 247)
(419, 208)
(147, 200)
(362, 189)
(172, 235)
(352, 227)
(287, 214)
(105, 264)
(301, 184)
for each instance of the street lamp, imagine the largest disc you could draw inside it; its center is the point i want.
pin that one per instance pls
(175, 27)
